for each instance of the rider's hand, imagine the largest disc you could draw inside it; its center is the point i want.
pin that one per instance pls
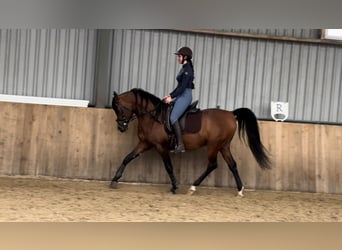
(167, 99)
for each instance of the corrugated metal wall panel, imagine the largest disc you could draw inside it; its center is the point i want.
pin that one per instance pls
(143, 58)
(232, 72)
(48, 62)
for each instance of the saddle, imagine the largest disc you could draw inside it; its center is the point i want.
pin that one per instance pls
(190, 121)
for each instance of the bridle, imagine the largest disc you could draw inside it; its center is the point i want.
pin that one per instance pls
(124, 120)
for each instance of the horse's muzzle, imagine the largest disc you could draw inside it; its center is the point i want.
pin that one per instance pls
(122, 126)
(122, 129)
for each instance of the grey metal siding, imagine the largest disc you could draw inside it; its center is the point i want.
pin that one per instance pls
(232, 72)
(143, 58)
(48, 62)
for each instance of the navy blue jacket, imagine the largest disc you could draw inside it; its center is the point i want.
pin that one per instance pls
(184, 78)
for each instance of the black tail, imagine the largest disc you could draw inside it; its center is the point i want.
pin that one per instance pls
(248, 123)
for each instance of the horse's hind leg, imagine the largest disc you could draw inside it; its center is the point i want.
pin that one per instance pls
(212, 165)
(227, 156)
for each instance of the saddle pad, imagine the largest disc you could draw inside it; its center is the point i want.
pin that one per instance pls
(192, 123)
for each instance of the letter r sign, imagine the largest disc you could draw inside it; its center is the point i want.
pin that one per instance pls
(279, 110)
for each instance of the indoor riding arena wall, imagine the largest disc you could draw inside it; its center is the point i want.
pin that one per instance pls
(84, 143)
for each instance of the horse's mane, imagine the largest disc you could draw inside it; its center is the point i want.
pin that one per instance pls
(147, 96)
(156, 101)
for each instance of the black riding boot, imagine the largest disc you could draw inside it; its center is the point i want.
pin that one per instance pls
(177, 130)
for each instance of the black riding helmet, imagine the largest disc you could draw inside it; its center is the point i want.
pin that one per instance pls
(186, 52)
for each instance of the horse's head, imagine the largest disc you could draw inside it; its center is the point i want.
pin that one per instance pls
(123, 106)
(135, 103)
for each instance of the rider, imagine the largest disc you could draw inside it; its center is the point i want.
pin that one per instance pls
(182, 93)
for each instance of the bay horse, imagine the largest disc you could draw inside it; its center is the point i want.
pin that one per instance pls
(217, 130)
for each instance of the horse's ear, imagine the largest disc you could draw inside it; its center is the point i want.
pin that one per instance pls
(114, 93)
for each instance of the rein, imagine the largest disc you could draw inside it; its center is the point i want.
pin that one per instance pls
(149, 112)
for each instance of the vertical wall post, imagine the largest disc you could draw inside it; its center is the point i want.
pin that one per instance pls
(103, 67)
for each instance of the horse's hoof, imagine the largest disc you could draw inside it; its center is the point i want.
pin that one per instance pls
(114, 184)
(191, 190)
(173, 190)
(240, 193)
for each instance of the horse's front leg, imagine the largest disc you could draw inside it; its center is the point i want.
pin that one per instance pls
(169, 168)
(138, 150)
